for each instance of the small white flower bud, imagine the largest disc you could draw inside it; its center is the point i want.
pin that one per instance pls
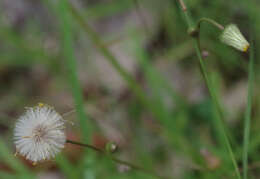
(39, 133)
(233, 37)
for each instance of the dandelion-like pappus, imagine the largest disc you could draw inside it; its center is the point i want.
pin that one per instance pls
(233, 37)
(39, 133)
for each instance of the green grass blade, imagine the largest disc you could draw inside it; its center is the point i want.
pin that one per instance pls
(248, 111)
(70, 62)
(67, 168)
(109, 56)
(7, 175)
(7, 157)
(138, 91)
(132, 83)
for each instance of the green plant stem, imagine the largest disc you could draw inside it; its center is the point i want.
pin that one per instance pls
(84, 145)
(211, 90)
(219, 113)
(248, 111)
(70, 62)
(211, 21)
(119, 161)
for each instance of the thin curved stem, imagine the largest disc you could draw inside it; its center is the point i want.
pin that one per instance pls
(119, 161)
(84, 145)
(211, 21)
(212, 92)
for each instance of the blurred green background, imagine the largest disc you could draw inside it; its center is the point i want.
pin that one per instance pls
(130, 70)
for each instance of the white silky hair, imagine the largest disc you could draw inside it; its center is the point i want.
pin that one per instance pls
(233, 37)
(39, 133)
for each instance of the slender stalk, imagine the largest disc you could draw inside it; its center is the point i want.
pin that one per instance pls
(211, 90)
(248, 111)
(211, 21)
(119, 161)
(221, 127)
(84, 145)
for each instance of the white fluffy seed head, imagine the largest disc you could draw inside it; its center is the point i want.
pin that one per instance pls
(233, 37)
(39, 133)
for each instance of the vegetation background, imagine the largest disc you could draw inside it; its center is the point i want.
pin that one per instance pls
(129, 69)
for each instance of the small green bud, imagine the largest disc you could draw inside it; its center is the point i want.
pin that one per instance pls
(111, 147)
